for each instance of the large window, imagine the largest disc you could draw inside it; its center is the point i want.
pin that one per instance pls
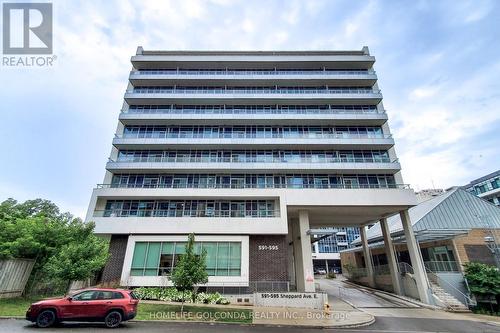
(252, 181)
(251, 131)
(190, 208)
(252, 156)
(160, 258)
(253, 109)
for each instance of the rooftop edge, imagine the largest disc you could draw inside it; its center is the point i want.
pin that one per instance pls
(363, 51)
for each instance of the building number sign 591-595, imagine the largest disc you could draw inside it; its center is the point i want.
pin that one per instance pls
(268, 247)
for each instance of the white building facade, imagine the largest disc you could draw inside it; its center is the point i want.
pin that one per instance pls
(249, 151)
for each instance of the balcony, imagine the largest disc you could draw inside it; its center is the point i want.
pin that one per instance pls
(252, 59)
(254, 186)
(210, 165)
(253, 77)
(299, 95)
(382, 142)
(168, 213)
(257, 115)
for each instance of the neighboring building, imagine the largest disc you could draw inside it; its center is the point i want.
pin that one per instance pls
(487, 187)
(452, 229)
(329, 243)
(249, 151)
(427, 194)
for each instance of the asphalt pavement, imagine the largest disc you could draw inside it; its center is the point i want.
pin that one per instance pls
(382, 325)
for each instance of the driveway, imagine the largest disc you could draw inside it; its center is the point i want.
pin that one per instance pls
(396, 315)
(357, 297)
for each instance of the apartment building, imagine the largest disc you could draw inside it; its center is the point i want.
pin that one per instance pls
(327, 244)
(249, 151)
(486, 187)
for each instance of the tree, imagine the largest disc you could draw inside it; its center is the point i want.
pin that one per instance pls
(36, 229)
(78, 260)
(190, 271)
(483, 280)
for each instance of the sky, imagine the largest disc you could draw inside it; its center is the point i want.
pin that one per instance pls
(438, 65)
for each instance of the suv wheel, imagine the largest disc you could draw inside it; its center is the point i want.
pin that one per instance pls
(113, 319)
(46, 318)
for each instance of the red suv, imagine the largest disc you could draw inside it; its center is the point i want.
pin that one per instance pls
(112, 306)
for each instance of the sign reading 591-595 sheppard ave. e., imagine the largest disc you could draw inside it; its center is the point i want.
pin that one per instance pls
(27, 33)
(291, 299)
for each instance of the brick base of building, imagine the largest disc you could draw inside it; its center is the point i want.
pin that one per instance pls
(268, 258)
(113, 269)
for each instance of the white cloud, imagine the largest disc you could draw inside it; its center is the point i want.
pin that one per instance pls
(423, 92)
(477, 10)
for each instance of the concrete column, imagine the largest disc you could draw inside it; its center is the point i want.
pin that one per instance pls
(326, 264)
(391, 256)
(415, 257)
(368, 257)
(304, 274)
(457, 256)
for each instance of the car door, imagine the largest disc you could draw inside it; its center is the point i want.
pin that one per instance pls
(79, 305)
(103, 302)
(112, 299)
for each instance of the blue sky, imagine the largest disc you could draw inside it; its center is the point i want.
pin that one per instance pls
(438, 64)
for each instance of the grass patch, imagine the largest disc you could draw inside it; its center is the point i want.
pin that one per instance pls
(15, 306)
(147, 311)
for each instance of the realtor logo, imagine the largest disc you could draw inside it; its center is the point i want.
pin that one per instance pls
(27, 28)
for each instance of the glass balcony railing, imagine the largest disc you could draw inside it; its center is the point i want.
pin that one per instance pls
(257, 90)
(185, 213)
(250, 135)
(259, 186)
(208, 159)
(223, 72)
(441, 266)
(267, 111)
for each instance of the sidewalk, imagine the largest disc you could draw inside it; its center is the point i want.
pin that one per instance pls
(341, 315)
(311, 318)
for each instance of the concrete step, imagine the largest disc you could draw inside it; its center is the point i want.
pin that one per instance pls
(450, 301)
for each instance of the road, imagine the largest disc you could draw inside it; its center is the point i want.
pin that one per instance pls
(382, 325)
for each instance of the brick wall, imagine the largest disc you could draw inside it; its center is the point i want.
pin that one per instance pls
(348, 258)
(471, 247)
(269, 263)
(113, 269)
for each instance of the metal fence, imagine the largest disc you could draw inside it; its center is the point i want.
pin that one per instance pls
(355, 272)
(442, 266)
(14, 274)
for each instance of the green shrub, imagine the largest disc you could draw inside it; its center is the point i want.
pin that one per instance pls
(173, 295)
(331, 275)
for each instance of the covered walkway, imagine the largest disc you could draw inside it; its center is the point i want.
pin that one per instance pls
(301, 221)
